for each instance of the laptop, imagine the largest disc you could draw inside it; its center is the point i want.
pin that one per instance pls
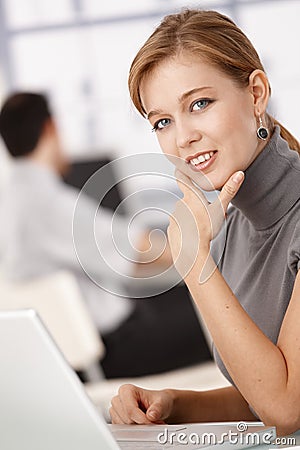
(43, 404)
(82, 170)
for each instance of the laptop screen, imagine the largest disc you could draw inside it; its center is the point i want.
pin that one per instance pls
(81, 171)
(43, 403)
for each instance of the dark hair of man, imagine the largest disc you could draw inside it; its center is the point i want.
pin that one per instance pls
(22, 119)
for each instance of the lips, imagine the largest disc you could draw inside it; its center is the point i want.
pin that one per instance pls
(200, 157)
(201, 160)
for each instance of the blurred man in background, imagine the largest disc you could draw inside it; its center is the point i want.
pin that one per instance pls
(36, 214)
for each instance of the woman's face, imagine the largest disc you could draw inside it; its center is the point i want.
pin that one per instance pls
(201, 116)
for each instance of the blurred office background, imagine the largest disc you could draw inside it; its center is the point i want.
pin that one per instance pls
(79, 53)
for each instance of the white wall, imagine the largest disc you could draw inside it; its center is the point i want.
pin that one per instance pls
(4, 159)
(85, 70)
(274, 30)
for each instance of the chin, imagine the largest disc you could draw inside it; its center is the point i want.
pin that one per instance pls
(210, 185)
(218, 182)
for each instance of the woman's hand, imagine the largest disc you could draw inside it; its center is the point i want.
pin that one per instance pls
(195, 222)
(140, 406)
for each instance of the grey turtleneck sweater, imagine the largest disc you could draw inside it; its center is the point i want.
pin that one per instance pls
(262, 249)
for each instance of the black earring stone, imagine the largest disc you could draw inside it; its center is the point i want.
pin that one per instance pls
(262, 133)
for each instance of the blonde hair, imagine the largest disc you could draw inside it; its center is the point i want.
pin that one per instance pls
(209, 34)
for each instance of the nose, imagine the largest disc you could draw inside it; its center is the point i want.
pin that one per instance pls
(187, 134)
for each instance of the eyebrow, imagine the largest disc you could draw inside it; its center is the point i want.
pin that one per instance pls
(181, 99)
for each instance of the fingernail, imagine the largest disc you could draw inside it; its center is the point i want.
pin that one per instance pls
(238, 177)
(152, 414)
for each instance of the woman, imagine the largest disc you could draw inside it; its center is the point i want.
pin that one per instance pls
(200, 83)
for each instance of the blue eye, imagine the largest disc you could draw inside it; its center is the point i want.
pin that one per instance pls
(198, 105)
(160, 124)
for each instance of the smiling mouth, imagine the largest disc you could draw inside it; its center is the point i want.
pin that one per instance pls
(201, 158)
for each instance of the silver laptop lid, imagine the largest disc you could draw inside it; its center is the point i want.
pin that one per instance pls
(43, 405)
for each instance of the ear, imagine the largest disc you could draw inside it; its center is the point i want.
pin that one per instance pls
(260, 90)
(49, 128)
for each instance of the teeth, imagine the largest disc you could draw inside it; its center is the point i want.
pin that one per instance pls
(201, 158)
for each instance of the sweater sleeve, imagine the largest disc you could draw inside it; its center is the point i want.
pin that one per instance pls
(294, 250)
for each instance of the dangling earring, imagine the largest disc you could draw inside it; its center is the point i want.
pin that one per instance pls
(262, 132)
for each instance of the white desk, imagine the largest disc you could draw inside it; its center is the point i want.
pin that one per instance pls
(291, 441)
